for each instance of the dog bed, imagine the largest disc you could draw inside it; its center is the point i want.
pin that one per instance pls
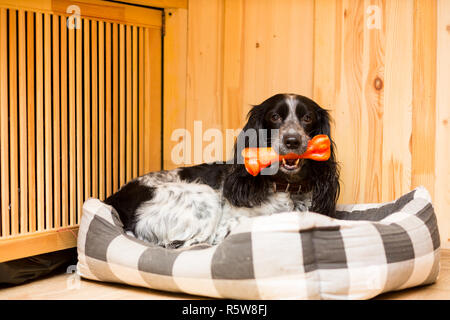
(367, 250)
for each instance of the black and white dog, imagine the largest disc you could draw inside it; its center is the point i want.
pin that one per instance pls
(202, 203)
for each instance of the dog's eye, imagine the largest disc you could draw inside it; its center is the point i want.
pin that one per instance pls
(307, 118)
(275, 117)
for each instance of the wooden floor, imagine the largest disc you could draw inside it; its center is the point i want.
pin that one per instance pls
(67, 286)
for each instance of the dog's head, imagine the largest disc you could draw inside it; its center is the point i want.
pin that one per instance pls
(287, 122)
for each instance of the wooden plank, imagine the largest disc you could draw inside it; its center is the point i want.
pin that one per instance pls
(325, 62)
(152, 112)
(72, 130)
(31, 145)
(373, 96)
(95, 119)
(278, 46)
(108, 111)
(204, 70)
(141, 102)
(233, 60)
(4, 150)
(129, 106)
(87, 108)
(174, 95)
(48, 124)
(115, 107)
(64, 127)
(148, 128)
(442, 151)
(56, 124)
(101, 109)
(13, 125)
(23, 144)
(350, 107)
(122, 106)
(424, 95)
(37, 243)
(40, 200)
(266, 45)
(135, 106)
(397, 116)
(79, 121)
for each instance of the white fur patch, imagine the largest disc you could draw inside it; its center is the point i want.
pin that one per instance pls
(186, 213)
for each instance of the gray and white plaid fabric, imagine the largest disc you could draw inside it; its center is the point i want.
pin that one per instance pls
(370, 249)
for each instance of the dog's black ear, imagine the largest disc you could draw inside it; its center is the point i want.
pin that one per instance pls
(324, 123)
(324, 175)
(241, 188)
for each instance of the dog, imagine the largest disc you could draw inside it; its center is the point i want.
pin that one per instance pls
(203, 203)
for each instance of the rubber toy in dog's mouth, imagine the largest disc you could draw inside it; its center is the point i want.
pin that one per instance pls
(256, 159)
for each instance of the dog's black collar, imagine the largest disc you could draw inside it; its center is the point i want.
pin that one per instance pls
(294, 188)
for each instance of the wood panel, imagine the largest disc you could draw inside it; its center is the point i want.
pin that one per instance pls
(4, 127)
(372, 63)
(64, 126)
(72, 134)
(122, 106)
(278, 50)
(382, 98)
(268, 49)
(23, 145)
(152, 100)
(79, 116)
(13, 124)
(56, 123)
(88, 130)
(228, 66)
(69, 117)
(135, 105)
(141, 103)
(108, 110)
(40, 196)
(423, 142)
(398, 99)
(101, 110)
(31, 122)
(95, 177)
(175, 71)
(48, 127)
(442, 151)
(129, 116)
(204, 71)
(115, 107)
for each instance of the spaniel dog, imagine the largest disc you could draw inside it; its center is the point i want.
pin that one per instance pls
(202, 203)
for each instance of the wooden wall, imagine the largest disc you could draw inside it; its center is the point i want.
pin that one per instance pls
(386, 87)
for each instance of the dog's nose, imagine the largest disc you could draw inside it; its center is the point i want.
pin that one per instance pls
(292, 141)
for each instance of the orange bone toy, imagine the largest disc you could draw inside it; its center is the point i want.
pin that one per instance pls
(256, 159)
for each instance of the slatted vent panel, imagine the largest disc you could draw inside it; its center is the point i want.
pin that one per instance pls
(74, 114)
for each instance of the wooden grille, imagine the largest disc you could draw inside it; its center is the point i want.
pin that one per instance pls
(80, 113)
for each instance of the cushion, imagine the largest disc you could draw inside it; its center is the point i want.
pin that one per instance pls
(366, 250)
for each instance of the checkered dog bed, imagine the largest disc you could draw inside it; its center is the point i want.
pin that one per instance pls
(370, 249)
